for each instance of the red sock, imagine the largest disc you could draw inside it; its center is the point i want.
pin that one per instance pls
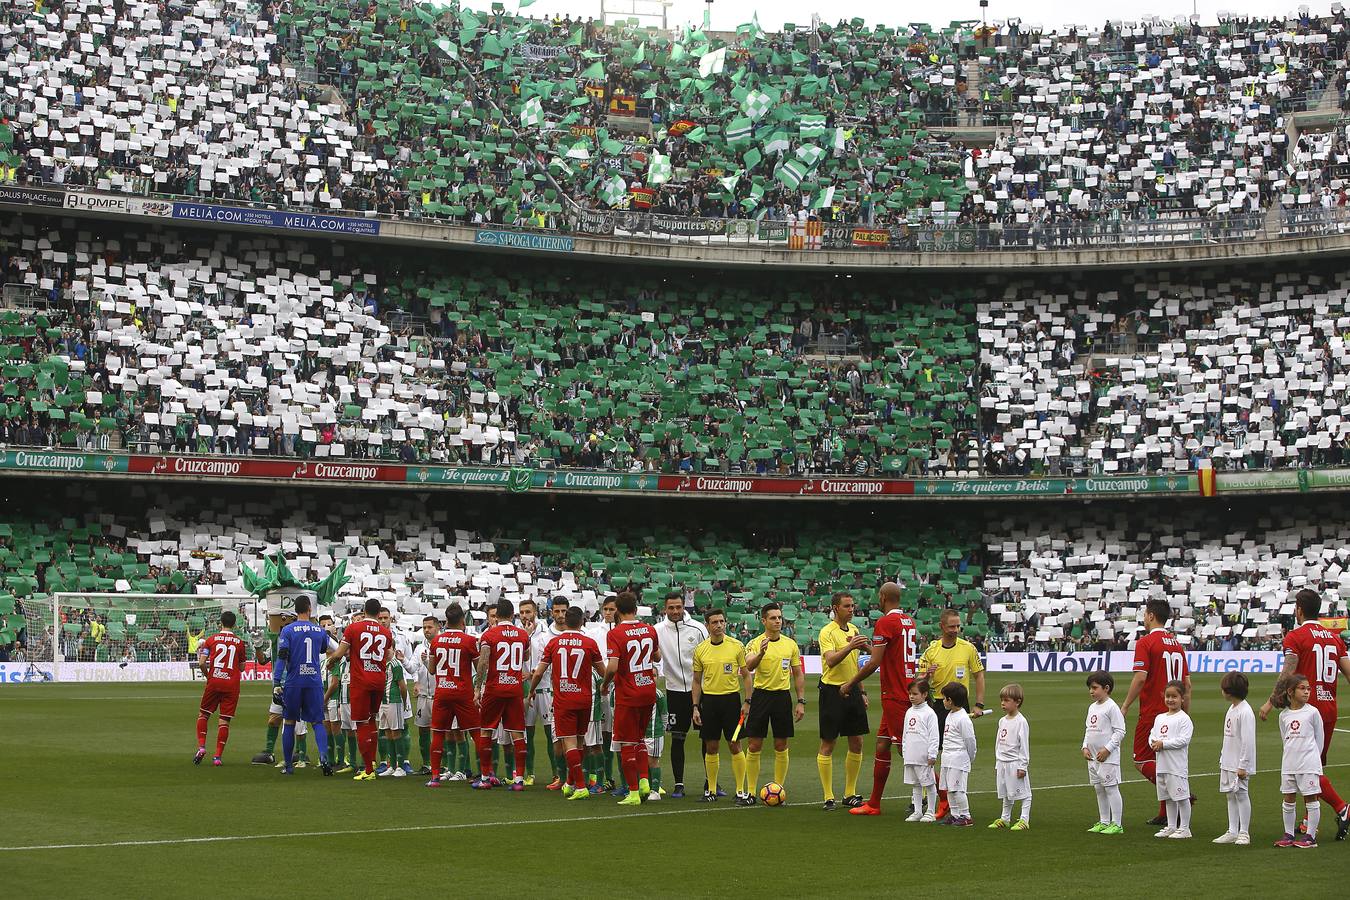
(202, 720)
(222, 735)
(881, 770)
(575, 777)
(629, 763)
(484, 753)
(1330, 796)
(437, 748)
(368, 737)
(1149, 770)
(644, 762)
(520, 747)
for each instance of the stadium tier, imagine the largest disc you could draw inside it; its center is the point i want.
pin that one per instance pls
(436, 112)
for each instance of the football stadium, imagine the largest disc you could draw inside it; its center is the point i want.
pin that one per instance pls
(461, 434)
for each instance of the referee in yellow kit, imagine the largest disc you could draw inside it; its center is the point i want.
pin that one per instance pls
(777, 663)
(839, 643)
(951, 659)
(719, 675)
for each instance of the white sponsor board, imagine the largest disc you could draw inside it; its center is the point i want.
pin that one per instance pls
(1199, 661)
(20, 673)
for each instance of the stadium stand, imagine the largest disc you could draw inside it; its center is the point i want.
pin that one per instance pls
(422, 111)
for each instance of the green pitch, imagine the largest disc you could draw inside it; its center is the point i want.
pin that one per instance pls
(100, 796)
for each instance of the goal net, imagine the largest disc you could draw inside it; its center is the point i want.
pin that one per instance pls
(122, 629)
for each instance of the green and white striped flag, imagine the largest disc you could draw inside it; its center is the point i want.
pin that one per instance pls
(791, 173)
(812, 127)
(823, 199)
(532, 115)
(757, 104)
(729, 183)
(739, 131)
(614, 191)
(658, 170)
(778, 143)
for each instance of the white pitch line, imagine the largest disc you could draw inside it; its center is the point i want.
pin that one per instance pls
(400, 829)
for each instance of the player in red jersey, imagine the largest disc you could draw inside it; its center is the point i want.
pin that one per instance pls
(573, 656)
(895, 652)
(371, 646)
(1158, 659)
(505, 650)
(633, 654)
(221, 657)
(451, 659)
(1318, 654)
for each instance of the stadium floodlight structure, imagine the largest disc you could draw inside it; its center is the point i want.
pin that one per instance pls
(123, 628)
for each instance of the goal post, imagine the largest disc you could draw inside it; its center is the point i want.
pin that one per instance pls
(92, 636)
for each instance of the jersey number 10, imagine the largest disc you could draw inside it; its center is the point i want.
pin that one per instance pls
(1175, 664)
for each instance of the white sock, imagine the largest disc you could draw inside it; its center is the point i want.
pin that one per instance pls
(1314, 817)
(1244, 805)
(1233, 813)
(957, 801)
(1117, 803)
(1184, 813)
(918, 798)
(1007, 809)
(1172, 814)
(1290, 813)
(1026, 810)
(1103, 803)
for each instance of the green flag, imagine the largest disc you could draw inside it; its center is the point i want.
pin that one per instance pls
(658, 170)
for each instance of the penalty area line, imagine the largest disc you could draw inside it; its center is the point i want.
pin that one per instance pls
(458, 826)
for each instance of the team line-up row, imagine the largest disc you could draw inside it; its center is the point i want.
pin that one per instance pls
(595, 690)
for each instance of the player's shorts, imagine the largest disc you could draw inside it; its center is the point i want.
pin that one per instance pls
(1173, 787)
(893, 721)
(1230, 783)
(953, 779)
(500, 736)
(508, 712)
(422, 718)
(679, 711)
(391, 716)
(631, 723)
(333, 710)
(541, 710)
(275, 709)
(720, 714)
(919, 774)
(302, 702)
(607, 720)
(936, 705)
(225, 701)
(769, 708)
(841, 716)
(345, 717)
(1142, 751)
(1304, 783)
(571, 722)
(451, 713)
(655, 746)
(1008, 785)
(595, 733)
(365, 703)
(1103, 773)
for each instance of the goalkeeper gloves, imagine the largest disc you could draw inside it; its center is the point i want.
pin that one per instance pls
(276, 695)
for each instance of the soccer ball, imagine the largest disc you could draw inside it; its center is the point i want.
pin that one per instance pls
(772, 794)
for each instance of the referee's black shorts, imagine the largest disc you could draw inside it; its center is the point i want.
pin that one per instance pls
(941, 710)
(720, 713)
(769, 708)
(679, 711)
(841, 716)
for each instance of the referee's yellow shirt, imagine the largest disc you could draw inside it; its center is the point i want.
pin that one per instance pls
(720, 665)
(833, 638)
(954, 664)
(774, 672)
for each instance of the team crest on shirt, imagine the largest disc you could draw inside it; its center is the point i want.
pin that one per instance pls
(1162, 729)
(1093, 720)
(1293, 726)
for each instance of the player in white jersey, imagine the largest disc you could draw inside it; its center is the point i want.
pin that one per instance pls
(541, 710)
(1170, 739)
(1012, 760)
(919, 750)
(1301, 762)
(958, 754)
(1102, 737)
(425, 690)
(600, 733)
(1237, 759)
